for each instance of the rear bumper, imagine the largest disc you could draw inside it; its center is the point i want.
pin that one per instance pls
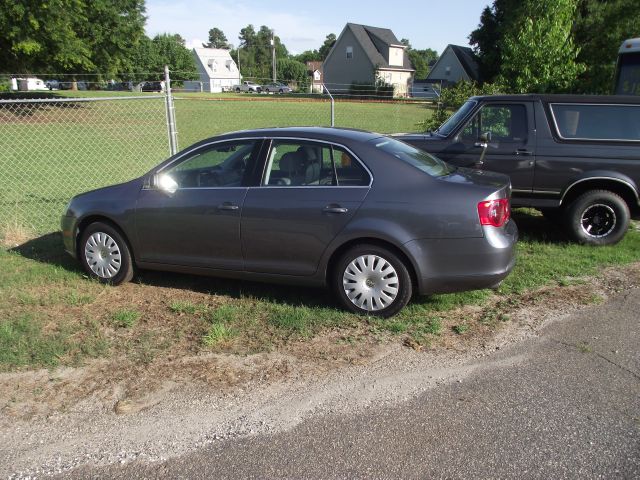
(453, 265)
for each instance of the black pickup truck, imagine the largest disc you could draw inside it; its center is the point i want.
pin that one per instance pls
(576, 158)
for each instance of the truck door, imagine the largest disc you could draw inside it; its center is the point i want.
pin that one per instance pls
(511, 149)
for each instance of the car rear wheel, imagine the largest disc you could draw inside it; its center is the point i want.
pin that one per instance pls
(237, 90)
(105, 255)
(597, 217)
(372, 280)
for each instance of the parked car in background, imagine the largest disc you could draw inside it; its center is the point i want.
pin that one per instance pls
(576, 158)
(248, 87)
(52, 84)
(276, 87)
(370, 216)
(152, 87)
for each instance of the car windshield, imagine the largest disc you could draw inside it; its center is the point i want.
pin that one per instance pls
(447, 127)
(418, 158)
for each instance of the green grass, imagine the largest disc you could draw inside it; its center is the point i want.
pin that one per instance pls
(125, 318)
(51, 314)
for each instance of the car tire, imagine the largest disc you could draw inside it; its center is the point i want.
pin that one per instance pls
(372, 280)
(237, 90)
(281, 91)
(597, 217)
(105, 255)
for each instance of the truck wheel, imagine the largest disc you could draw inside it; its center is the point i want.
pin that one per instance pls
(597, 217)
(237, 90)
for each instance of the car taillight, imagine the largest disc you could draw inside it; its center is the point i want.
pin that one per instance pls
(494, 212)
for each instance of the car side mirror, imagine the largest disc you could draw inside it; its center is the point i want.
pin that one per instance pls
(485, 137)
(164, 182)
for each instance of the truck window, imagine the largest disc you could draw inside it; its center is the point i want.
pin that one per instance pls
(507, 123)
(597, 122)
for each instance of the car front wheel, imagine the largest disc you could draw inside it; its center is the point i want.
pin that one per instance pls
(372, 280)
(105, 255)
(598, 217)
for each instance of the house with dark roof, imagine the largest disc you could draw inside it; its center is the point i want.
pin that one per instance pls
(367, 55)
(456, 63)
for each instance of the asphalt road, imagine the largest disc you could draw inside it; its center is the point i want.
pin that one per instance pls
(563, 405)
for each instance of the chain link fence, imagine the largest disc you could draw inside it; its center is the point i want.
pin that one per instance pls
(54, 148)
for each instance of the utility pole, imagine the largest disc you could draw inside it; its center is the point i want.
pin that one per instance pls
(273, 56)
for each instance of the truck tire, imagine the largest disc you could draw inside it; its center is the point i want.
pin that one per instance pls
(597, 217)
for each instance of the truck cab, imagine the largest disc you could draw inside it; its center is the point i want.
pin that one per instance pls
(576, 158)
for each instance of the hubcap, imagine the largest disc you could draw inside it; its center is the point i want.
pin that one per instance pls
(370, 282)
(598, 220)
(103, 255)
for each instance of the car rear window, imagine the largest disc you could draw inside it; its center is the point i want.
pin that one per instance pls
(597, 122)
(418, 158)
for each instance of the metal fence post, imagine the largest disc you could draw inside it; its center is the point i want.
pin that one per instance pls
(171, 113)
(333, 107)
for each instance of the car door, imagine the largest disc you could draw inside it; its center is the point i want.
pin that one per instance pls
(309, 192)
(511, 148)
(190, 215)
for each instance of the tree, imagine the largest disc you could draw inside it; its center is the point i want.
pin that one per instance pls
(70, 36)
(537, 49)
(308, 56)
(487, 38)
(217, 39)
(255, 51)
(326, 47)
(291, 70)
(169, 49)
(600, 27)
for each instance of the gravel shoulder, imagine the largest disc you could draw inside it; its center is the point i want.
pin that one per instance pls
(266, 393)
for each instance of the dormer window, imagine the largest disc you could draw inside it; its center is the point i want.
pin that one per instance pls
(349, 52)
(396, 56)
(213, 65)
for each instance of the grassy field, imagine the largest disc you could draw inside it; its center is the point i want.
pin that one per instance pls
(53, 315)
(50, 152)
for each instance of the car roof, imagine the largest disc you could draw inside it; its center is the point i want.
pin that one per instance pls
(559, 98)
(314, 133)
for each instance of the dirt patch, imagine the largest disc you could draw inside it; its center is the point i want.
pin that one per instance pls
(117, 411)
(126, 384)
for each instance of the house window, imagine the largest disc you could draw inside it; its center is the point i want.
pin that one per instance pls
(349, 52)
(213, 65)
(447, 71)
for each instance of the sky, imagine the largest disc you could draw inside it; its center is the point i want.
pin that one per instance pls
(304, 25)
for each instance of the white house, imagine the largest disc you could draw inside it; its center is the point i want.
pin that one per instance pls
(218, 71)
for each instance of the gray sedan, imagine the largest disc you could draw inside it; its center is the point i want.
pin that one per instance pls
(276, 87)
(373, 218)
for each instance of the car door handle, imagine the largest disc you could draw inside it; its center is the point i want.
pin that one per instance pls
(523, 151)
(228, 206)
(481, 145)
(334, 209)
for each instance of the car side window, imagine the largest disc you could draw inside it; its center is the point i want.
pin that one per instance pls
(506, 123)
(220, 165)
(298, 164)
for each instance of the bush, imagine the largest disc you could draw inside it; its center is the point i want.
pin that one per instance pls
(452, 98)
